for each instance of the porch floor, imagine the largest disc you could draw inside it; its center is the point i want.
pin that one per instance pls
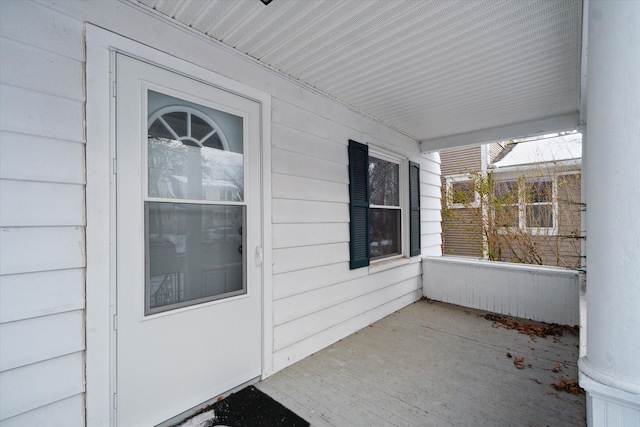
(434, 364)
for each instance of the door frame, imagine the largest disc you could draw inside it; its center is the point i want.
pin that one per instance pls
(100, 343)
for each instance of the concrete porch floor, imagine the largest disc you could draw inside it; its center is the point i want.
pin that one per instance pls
(434, 364)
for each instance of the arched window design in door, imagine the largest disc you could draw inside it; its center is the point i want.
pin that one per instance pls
(191, 155)
(187, 125)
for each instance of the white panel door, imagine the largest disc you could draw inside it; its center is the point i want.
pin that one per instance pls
(189, 282)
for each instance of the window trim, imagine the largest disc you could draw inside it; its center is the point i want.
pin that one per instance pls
(403, 199)
(505, 229)
(547, 231)
(522, 205)
(452, 179)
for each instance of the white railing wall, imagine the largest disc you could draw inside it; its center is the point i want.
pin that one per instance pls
(547, 294)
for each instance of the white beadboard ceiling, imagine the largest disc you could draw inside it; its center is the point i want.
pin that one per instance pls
(429, 68)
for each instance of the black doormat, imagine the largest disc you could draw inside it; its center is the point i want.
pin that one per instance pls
(252, 408)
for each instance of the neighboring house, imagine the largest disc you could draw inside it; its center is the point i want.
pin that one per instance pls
(138, 281)
(533, 215)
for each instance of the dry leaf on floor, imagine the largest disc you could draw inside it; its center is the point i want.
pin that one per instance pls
(532, 329)
(570, 386)
(519, 362)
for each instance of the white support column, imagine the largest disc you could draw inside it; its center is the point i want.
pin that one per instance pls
(610, 372)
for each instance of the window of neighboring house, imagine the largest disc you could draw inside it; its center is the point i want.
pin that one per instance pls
(461, 192)
(539, 204)
(527, 205)
(384, 205)
(506, 207)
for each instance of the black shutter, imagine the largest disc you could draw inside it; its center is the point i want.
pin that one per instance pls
(414, 209)
(359, 204)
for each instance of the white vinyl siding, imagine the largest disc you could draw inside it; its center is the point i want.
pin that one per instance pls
(317, 300)
(430, 207)
(62, 413)
(31, 295)
(36, 385)
(42, 217)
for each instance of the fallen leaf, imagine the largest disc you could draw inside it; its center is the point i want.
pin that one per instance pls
(519, 362)
(570, 386)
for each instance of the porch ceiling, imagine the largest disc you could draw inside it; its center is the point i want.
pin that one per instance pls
(431, 69)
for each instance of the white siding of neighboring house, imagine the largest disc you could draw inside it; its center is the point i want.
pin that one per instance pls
(317, 300)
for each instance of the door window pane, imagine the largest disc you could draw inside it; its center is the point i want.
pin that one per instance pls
(194, 152)
(194, 254)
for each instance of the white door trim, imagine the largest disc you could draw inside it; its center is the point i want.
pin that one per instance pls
(100, 209)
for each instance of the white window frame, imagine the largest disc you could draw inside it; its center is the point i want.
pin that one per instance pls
(505, 230)
(452, 179)
(403, 193)
(522, 204)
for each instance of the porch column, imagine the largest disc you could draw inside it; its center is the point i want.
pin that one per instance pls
(610, 371)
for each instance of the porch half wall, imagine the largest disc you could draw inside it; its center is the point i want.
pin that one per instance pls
(546, 294)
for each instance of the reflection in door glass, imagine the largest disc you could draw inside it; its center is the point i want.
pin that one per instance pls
(194, 152)
(194, 254)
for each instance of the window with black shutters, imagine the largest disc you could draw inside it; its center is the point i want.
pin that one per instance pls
(384, 206)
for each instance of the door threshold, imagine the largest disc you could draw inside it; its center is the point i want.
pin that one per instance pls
(190, 413)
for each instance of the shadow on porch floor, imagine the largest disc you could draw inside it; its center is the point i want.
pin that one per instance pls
(434, 364)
